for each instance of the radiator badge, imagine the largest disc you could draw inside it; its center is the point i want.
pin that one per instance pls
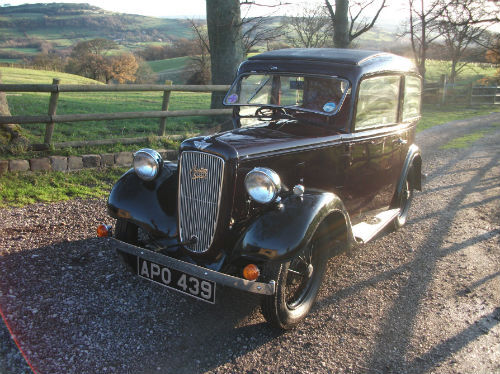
(199, 173)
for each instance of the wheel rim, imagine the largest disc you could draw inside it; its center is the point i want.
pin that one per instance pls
(299, 278)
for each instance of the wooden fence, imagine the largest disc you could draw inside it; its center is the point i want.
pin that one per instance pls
(52, 118)
(443, 92)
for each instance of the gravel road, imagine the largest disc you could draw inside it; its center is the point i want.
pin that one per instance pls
(425, 299)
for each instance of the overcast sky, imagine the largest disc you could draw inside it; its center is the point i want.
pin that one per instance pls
(194, 8)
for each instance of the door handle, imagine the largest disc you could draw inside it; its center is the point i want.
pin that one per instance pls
(400, 141)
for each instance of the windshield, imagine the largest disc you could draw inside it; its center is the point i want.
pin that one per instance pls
(321, 94)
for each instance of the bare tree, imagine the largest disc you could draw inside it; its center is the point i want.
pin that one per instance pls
(460, 29)
(199, 66)
(347, 19)
(259, 30)
(311, 28)
(423, 28)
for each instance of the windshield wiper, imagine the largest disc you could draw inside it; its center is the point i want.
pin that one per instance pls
(257, 90)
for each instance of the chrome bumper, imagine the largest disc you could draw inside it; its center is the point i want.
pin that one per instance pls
(198, 271)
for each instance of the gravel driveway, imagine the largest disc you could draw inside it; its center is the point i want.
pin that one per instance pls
(425, 299)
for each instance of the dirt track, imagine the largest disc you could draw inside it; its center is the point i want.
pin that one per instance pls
(425, 299)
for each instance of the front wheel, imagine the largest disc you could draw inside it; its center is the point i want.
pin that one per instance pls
(297, 285)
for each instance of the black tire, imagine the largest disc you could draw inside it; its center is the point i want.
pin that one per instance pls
(292, 301)
(126, 231)
(404, 202)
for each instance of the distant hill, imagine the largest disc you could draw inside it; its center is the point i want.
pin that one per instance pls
(31, 28)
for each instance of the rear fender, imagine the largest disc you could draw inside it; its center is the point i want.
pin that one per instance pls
(280, 233)
(413, 164)
(150, 205)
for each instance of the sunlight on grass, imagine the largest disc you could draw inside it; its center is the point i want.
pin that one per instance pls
(467, 140)
(19, 189)
(464, 141)
(433, 115)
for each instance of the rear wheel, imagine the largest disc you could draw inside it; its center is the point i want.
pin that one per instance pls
(297, 285)
(405, 199)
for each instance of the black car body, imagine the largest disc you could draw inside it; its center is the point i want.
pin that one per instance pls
(321, 157)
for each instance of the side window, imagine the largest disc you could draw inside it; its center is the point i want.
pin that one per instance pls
(377, 101)
(411, 104)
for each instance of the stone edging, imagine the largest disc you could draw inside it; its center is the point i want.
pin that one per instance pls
(72, 163)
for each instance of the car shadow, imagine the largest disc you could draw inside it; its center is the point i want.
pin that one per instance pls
(402, 316)
(74, 308)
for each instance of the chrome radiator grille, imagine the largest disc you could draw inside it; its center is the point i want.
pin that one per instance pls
(200, 185)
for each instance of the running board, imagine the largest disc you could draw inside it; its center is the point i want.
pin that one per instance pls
(364, 231)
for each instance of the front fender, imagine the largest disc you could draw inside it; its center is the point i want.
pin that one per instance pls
(279, 234)
(150, 205)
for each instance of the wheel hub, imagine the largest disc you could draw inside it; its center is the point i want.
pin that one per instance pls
(310, 269)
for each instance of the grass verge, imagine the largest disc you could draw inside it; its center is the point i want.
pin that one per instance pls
(467, 140)
(27, 188)
(433, 115)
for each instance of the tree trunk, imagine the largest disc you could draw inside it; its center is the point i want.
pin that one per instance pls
(9, 133)
(226, 45)
(341, 27)
(453, 73)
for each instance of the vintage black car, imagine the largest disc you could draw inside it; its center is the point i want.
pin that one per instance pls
(321, 157)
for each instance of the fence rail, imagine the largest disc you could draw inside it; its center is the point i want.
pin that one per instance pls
(55, 88)
(480, 94)
(443, 92)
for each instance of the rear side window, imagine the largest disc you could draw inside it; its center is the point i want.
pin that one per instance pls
(377, 101)
(411, 103)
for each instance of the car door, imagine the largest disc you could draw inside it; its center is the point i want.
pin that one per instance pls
(374, 146)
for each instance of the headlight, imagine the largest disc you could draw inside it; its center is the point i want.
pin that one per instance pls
(263, 185)
(147, 163)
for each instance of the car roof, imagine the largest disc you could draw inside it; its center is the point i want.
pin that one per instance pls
(348, 63)
(335, 55)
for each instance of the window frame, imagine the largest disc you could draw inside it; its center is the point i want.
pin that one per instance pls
(401, 76)
(415, 118)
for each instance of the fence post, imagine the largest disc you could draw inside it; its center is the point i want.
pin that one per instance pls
(442, 81)
(49, 127)
(164, 107)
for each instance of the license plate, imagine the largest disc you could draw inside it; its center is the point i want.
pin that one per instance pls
(177, 280)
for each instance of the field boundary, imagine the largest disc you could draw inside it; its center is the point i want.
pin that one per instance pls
(75, 163)
(52, 117)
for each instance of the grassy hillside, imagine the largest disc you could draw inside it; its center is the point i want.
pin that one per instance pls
(30, 76)
(27, 29)
(161, 66)
(26, 103)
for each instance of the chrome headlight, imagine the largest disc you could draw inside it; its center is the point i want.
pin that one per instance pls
(147, 163)
(263, 185)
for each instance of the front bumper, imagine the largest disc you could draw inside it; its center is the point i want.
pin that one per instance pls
(198, 271)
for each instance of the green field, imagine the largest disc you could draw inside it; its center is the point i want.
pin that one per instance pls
(70, 103)
(176, 63)
(470, 74)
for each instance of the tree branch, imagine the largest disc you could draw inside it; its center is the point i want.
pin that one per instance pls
(367, 27)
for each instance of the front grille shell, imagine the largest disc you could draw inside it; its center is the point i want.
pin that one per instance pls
(199, 198)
